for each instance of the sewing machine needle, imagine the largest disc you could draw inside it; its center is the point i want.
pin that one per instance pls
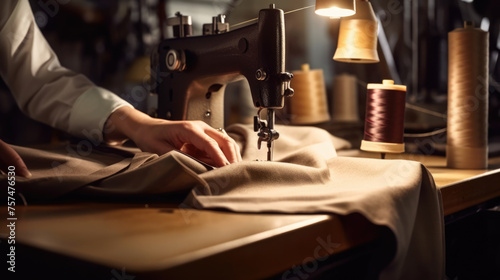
(270, 151)
(270, 123)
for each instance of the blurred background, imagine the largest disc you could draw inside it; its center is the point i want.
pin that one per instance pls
(111, 41)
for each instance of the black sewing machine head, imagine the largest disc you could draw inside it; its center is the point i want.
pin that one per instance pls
(190, 74)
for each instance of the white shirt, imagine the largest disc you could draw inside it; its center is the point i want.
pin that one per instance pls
(43, 89)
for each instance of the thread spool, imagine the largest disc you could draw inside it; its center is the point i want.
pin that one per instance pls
(467, 130)
(357, 41)
(344, 102)
(384, 122)
(309, 103)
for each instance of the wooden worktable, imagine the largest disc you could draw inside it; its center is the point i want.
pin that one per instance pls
(157, 239)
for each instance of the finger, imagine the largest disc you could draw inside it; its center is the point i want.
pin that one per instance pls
(203, 142)
(212, 149)
(194, 133)
(226, 144)
(9, 157)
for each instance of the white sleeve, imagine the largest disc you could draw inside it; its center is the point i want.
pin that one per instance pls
(43, 89)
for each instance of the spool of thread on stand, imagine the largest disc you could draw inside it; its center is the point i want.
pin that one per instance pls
(467, 136)
(344, 102)
(309, 103)
(384, 121)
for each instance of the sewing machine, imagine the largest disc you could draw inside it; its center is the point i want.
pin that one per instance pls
(190, 74)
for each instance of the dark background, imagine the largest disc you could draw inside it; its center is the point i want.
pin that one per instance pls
(110, 42)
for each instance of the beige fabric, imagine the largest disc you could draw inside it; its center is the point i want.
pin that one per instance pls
(307, 177)
(71, 169)
(43, 89)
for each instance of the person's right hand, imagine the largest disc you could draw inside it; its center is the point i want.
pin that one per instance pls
(159, 136)
(9, 157)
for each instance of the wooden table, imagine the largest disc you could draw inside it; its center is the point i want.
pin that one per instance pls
(119, 240)
(153, 241)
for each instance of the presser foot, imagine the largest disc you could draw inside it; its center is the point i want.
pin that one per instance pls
(266, 132)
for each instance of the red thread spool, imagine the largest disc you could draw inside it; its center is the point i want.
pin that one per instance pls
(384, 121)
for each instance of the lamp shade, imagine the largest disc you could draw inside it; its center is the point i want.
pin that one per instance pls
(335, 8)
(358, 36)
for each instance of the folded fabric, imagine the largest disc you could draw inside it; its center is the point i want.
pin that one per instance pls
(306, 177)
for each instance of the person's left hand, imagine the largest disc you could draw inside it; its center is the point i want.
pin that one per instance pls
(9, 157)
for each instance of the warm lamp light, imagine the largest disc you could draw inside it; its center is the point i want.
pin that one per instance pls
(358, 36)
(335, 8)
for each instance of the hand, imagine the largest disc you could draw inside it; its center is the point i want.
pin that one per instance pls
(194, 138)
(159, 136)
(9, 157)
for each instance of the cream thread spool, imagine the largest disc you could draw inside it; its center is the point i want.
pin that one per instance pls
(344, 102)
(384, 123)
(467, 130)
(357, 41)
(309, 103)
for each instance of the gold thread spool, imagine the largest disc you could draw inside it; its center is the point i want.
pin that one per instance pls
(357, 41)
(308, 104)
(344, 102)
(467, 136)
